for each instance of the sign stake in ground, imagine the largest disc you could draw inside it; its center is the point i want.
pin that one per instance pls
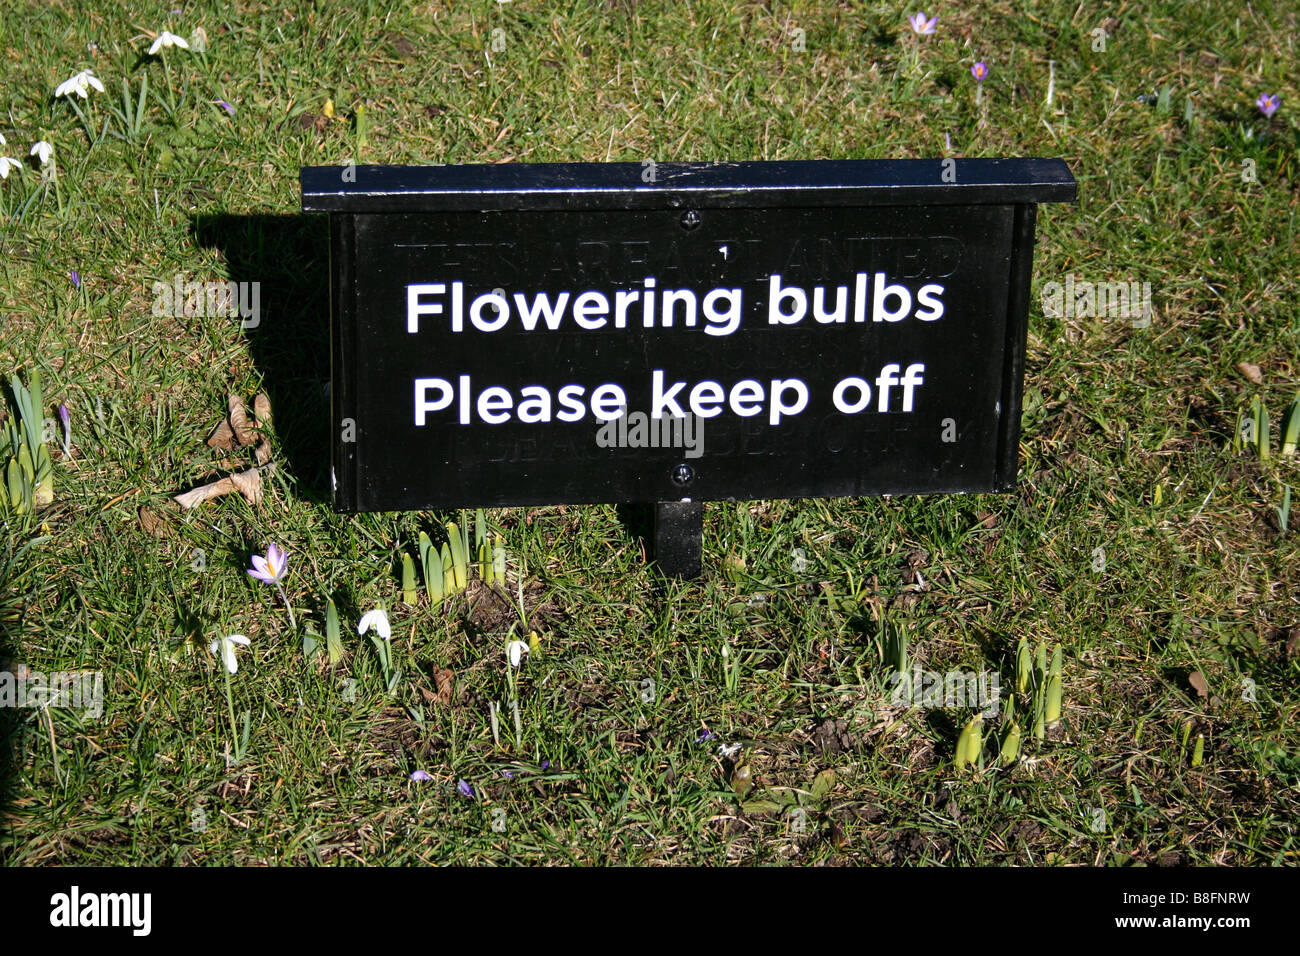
(676, 333)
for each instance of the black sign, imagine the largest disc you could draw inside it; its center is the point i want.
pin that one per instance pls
(581, 333)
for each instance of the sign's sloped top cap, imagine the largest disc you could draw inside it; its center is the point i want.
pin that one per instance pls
(612, 186)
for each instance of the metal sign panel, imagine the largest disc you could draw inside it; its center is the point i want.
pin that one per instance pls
(580, 333)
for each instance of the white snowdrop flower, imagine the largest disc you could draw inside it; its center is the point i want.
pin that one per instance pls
(516, 651)
(377, 619)
(225, 647)
(79, 85)
(166, 39)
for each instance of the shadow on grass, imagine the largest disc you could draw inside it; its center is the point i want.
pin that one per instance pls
(290, 342)
(10, 733)
(10, 717)
(639, 522)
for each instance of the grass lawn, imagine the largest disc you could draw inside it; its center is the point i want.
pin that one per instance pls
(744, 718)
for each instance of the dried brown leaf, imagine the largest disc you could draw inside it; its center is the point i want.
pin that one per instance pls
(245, 433)
(196, 496)
(222, 437)
(1199, 683)
(248, 483)
(1252, 372)
(153, 523)
(445, 678)
(262, 409)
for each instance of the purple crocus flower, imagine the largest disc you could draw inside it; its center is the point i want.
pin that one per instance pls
(272, 568)
(922, 26)
(65, 416)
(225, 106)
(707, 735)
(465, 789)
(421, 776)
(1268, 103)
(979, 71)
(75, 276)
